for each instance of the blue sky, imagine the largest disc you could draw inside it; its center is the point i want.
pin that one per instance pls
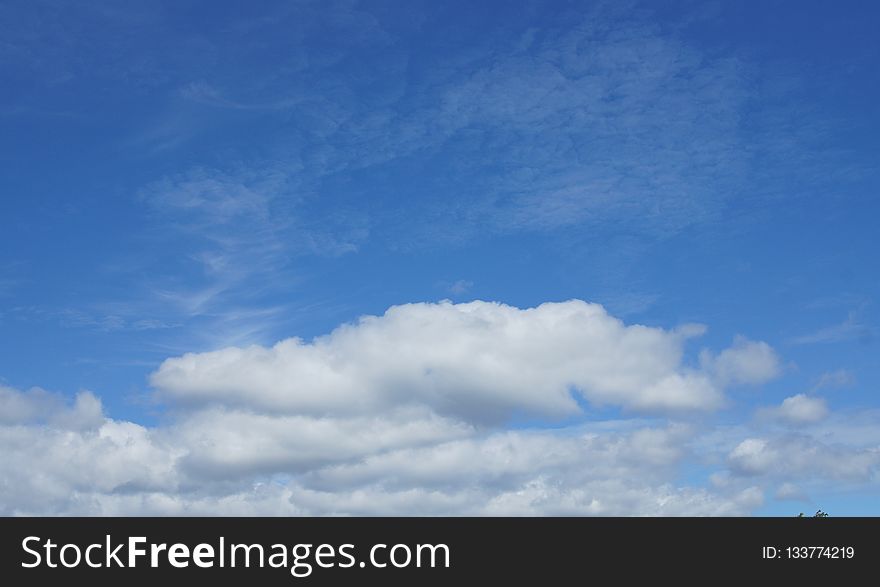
(187, 177)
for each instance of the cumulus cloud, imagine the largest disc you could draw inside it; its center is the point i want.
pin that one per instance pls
(122, 468)
(227, 444)
(49, 470)
(37, 406)
(798, 409)
(479, 361)
(406, 413)
(745, 362)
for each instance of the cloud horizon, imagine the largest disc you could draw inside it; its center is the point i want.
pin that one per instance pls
(409, 412)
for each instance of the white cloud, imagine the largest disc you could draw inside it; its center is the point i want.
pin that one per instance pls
(537, 497)
(48, 469)
(392, 414)
(229, 444)
(746, 362)
(283, 430)
(460, 286)
(214, 462)
(479, 361)
(849, 329)
(512, 458)
(798, 409)
(124, 469)
(38, 406)
(789, 491)
(834, 379)
(803, 457)
(20, 407)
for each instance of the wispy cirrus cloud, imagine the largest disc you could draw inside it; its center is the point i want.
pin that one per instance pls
(603, 125)
(834, 379)
(238, 235)
(598, 125)
(850, 329)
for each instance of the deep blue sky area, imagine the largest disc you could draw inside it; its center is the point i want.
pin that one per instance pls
(183, 177)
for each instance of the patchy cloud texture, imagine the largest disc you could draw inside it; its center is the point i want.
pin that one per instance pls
(477, 361)
(232, 222)
(405, 413)
(800, 409)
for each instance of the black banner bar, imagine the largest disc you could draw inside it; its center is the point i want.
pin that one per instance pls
(428, 551)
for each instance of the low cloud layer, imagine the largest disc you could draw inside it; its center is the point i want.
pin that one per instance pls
(410, 413)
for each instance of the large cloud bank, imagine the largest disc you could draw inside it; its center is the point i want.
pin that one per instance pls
(415, 412)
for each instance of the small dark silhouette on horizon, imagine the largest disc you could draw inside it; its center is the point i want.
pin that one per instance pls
(818, 514)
